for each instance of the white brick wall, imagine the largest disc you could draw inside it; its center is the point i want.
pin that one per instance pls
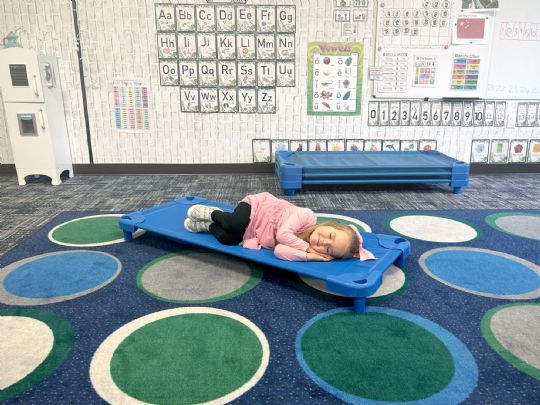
(118, 40)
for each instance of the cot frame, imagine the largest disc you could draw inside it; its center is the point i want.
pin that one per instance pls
(294, 169)
(351, 277)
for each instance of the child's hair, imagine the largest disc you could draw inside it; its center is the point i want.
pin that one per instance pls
(353, 246)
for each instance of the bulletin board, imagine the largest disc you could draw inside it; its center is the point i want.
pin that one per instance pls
(432, 48)
(515, 58)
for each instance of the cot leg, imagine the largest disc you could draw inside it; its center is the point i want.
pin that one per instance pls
(457, 190)
(360, 305)
(288, 191)
(128, 235)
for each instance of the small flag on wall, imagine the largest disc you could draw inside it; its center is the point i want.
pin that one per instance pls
(470, 29)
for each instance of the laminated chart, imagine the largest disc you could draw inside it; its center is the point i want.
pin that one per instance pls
(130, 105)
(334, 78)
(224, 57)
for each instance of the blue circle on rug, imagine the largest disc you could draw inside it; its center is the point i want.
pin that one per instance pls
(482, 271)
(461, 385)
(57, 276)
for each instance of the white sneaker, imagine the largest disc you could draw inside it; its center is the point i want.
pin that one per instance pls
(197, 226)
(200, 212)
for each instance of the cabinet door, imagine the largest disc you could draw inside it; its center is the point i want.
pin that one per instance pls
(19, 76)
(29, 135)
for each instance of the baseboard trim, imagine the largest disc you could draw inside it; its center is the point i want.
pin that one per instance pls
(245, 168)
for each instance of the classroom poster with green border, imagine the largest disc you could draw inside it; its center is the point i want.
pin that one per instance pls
(332, 82)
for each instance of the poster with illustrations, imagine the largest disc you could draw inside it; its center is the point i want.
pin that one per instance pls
(278, 145)
(317, 145)
(518, 151)
(336, 145)
(334, 78)
(373, 145)
(427, 144)
(261, 151)
(354, 145)
(499, 151)
(298, 146)
(425, 71)
(480, 151)
(408, 145)
(534, 151)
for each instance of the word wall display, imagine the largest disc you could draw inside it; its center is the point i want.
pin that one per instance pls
(437, 113)
(264, 150)
(226, 58)
(505, 151)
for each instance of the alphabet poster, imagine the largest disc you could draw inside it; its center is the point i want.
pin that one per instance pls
(227, 58)
(334, 78)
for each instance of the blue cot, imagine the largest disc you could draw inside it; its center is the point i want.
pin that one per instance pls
(350, 277)
(378, 167)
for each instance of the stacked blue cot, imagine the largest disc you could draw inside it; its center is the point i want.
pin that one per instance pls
(294, 169)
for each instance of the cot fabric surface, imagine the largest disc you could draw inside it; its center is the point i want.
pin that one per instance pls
(295, 169)
(350, 277)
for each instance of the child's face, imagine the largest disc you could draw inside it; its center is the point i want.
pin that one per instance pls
(330, 241)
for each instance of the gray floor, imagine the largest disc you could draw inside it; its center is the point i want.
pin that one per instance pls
(23, 209)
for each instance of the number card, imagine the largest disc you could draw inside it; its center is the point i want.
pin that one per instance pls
(425, 117)
(521, 117)
(446, 114)
(478, 112)
(500, 113)
(373, 114)
(531, 114)
(489, 113)
(383, 114)
(394, 113)
(405, 113)
(468, 114)
(436, 113)
(415, 113)
(457, 114)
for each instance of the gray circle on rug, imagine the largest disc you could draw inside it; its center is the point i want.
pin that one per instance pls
(517, 328)
(195, 276)
(527, 226)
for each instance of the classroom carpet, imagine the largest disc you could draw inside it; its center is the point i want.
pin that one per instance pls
(88, 318)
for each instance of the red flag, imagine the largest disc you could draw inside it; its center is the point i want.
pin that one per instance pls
(470, 28)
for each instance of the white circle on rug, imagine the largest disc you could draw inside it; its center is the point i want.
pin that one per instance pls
(24, 344)
(433, 229)
(343, 218)
(100, 372)
(517, 329)
(136, 234)
(393, 279)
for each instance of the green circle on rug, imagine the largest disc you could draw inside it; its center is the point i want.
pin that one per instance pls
(33, 344)
(197, 276)
(186, 359)
(516, 223)
(393, 359)
(99, 229)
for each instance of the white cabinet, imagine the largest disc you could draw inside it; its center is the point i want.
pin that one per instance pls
(34, 111)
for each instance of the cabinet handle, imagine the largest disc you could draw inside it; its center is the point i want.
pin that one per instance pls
(36, 91)
(41, 119)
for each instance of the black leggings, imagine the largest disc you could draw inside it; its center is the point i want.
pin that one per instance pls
(229, 227)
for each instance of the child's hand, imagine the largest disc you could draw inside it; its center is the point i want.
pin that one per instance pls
(313, 256)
